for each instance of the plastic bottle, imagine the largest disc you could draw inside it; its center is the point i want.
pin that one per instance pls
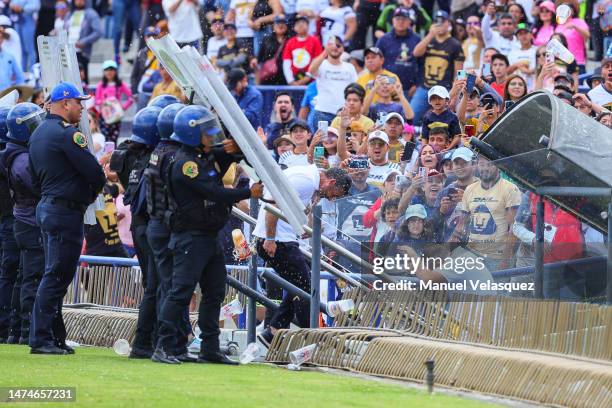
(300, 356)
(564, 13)
(232, 308)
(339, 306)
(241, 246)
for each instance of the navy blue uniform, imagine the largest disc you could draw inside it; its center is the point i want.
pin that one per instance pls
(69, 178)
(10, 279)
(201, 207)
(15, 161)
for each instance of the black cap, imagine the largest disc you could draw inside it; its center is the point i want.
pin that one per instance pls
(373, 50)
(596, 76)
(564, 75)
(235, 75)
(298, 18)
(299, 123)
(229, 25)
(280, 19)
(404, 12)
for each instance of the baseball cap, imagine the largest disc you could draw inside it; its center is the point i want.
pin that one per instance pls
(380, 135)
(596, 75)
(302, 18)
(356, 127)
(415, 210)
(280, 19)
(109, 64)
(548, 5)
(65, 90)
(441, 15)
(522, 27)
(357, 55)
(448, 156)
(5, 21)
(372, 50)
(151, 31)
(463, 153)
(283, 138)
(228, 26)
(333, 131)
(404, 12)
(299, 123)
(394, 115)
(439, 91)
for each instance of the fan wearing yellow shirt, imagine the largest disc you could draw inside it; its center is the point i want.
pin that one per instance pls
(374, 61)
(353, 102)
(167, 86)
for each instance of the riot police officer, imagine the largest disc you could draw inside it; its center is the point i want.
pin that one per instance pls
(22, 121)
(10, 278)
(129, 162)
(158, 209)
(201, 206)
(70, 178)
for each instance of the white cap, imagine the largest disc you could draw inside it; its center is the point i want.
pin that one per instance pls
(378, 134)
(439, 91)
(5, 21)
(394, 115)
(415, 210)
(463, 153)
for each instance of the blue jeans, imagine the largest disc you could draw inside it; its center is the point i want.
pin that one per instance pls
(258, 37)
(62, 233)
(123, 9)
(26, 28)
(318, 116)
(420, 104)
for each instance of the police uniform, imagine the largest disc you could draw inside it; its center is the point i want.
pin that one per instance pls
(69, 178)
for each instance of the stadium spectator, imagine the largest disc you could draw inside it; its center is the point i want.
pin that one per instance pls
(11, 70)
(374, 61)
(283, 144)
(398, 48)
(474, 44)
(306, 111)
(443, 57)
(332, 74)
(515, 88)
(309, 9)
(380, 165)
(233, 54)
(438, 137)
(518, 13)
(166, 86)
(353, 102)
(145, 65)
(249, 99)
(112, 96)
(61, 9)
(129, 10)
(283, 117)
(602, 93)
(393, 126)
(459, 30)
(183, 21)
(421, 21)
(298, 156)
(329, 142)
(261, 19)
(499, 68)
(523, 59)
(23, 13)
(239, 14)
(271, 50)
(299, 52)
(338, 20)
(84, 29)
(440, 113)
(503, 40)
(11, 42)
(386, 88)
(217, 40)
(368, 12)
(545, 24)
(576, 32)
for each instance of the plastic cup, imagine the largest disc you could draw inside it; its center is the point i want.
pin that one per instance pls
(340, 306)
(122, 347)
(300, 356)
(252, 351)
(232, 308)
(564, 12)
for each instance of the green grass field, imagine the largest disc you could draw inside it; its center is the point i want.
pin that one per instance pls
(102, 378)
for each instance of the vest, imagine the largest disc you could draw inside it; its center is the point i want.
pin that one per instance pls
(22, 195)
(156, 191)
(196, 215)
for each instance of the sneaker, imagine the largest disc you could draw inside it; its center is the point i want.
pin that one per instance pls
(160, 356)
(265, 337)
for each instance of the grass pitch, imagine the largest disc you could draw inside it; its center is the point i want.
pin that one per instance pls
(103, 379)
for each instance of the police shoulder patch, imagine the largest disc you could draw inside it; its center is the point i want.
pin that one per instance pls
(65, 124)
(190, 169)
(79, 139)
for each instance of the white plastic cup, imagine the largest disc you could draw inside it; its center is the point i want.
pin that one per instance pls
(560, 51)
(300, 356)
(252, 351)
(339, 306)
(563, 13)
(122, 347)
(232, 308)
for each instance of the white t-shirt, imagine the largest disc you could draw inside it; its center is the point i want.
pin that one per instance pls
(213, 45)
(529, 55)
(98, 139)
(331, 81)
(243, 10)
(600, 95)
(291, 159)
(305, 180)
(334, 21)
(378, 174)
(183, 24)
(12, 45)
(316, 6)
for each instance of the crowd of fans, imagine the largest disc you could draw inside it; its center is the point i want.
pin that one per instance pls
(393, 91)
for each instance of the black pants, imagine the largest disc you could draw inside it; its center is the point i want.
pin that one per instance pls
(10, 280)
(198, 258)
(32, 255)
(159, 237)
(367, 15)
(84, 61)
(290, 264)
(428, 5)
(147, 315)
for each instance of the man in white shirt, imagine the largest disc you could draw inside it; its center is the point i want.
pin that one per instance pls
(380, 165)
(183, 21)
(602, 93)
(333, 75)
(216, 41)
(239, 14)
(12, 44)
(503, 40)
(278, 246)
(298, 156)
(523, 60)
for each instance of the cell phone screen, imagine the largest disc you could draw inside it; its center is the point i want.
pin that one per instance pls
(471, 81)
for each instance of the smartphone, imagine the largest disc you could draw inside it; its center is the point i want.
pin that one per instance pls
(470, 130)
(358, 163)
(423, 172)
(487, 101)
(486, 70)
(322, 126)
(319, 151)
(391, 80)
(508, 104)
(461, 74)
(550, 57)
(451, 191)
(469, 84)
(109, 147)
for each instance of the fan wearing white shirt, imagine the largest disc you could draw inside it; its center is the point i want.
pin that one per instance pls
(216, 41)
(183, 21)
(503, 40)
(338, 21)
(299, 134)
(380, 165)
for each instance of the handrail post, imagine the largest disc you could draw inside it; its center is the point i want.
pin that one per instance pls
(252, 283)
(315, 274)
(539, 250)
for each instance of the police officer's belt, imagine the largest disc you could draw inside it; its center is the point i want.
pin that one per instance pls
(73, 205)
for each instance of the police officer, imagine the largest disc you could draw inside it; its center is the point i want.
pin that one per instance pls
(129, 162)
(10, 284)
(23, 119)
(158, 209)
(201, 207)
(70, 178)
(162, 101)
